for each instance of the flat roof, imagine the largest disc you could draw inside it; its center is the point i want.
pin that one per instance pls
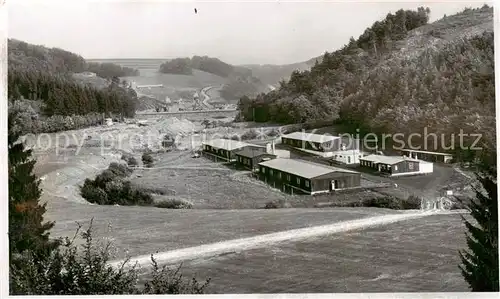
(228, 144)
(310, 137)
(251, 152)
(301, 168)
(426, 152)
(386, 159)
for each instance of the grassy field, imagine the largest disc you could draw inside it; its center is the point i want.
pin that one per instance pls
(199, 79)
(144, 230)
(414, 256)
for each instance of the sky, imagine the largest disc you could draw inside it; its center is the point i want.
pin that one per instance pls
(264, 32)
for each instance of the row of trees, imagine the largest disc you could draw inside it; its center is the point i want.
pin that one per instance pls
(207, 64)
(61, 61)
(367, 86)
(62, 95)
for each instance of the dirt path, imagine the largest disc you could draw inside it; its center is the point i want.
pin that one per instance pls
(236, 245)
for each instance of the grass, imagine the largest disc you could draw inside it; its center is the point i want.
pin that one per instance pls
(414, 256)
(145, 230)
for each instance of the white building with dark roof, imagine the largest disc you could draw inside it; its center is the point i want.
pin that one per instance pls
(396, 165)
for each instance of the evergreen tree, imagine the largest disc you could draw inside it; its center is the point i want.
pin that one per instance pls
(27, 229)
(480, 262)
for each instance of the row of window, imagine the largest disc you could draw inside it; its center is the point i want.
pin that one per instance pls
(243, 160)
(382, 166)
(288, 177)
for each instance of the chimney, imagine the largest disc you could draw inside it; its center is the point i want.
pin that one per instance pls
(273, 148)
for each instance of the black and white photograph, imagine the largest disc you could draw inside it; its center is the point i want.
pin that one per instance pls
(249, 147)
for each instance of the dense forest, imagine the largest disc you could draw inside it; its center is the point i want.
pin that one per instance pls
(185, 66)
(383, 82)
(40, 86)
(59, 60)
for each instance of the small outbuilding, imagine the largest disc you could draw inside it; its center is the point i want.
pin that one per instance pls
(396, 165)
(250, 157)
(291, 175)
(428, 156)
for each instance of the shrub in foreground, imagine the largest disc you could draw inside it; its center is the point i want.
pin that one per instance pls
(174, 203)
(85, 270)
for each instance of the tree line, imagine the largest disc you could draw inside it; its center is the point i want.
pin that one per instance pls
(367, 86)
(185, 66)
(42, 76)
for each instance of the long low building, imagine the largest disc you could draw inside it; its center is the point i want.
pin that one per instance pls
(315, 142)
(396, 165)
(428, 156)
(223, 149)
(291, 175)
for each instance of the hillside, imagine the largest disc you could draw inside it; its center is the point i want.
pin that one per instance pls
(402, 75)
(56, 90)
(272, 74)
(240, 80)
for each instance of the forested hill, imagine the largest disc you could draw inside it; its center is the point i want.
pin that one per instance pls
(400, 76)
(59, 60)
(240, 80)
(185, 66)
(42, 88)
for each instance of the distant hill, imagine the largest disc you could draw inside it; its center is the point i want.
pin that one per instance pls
(240, 80)
(272, 74)
(402, 75)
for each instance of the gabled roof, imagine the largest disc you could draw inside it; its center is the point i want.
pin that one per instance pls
(251, 152)
(390, 160)
(301, 168)
(310, 137)
(228, 144)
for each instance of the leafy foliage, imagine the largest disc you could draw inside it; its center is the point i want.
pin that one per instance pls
(85, 271)
(110, 188)
(180, 66)
(480, 262)
(147, 160)
(174, 203)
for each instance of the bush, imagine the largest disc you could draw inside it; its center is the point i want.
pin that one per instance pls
(174, 203)
(278, 204)
(110, 188)
(249, 135)
(147, 160)
(84, 270)
(131, 160)
(411, 203)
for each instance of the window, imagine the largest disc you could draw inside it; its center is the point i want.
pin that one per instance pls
(279, 175)
(307, 183)
(271, 172)
(395, 167)
(288, 178)
(263, 170)
(298, 181)
(348, 159)
(410, 166)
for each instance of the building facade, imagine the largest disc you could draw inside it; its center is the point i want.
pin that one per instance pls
(314, 142)
(223, 149)
(296, 176)
(250, 157)
(395, 166)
